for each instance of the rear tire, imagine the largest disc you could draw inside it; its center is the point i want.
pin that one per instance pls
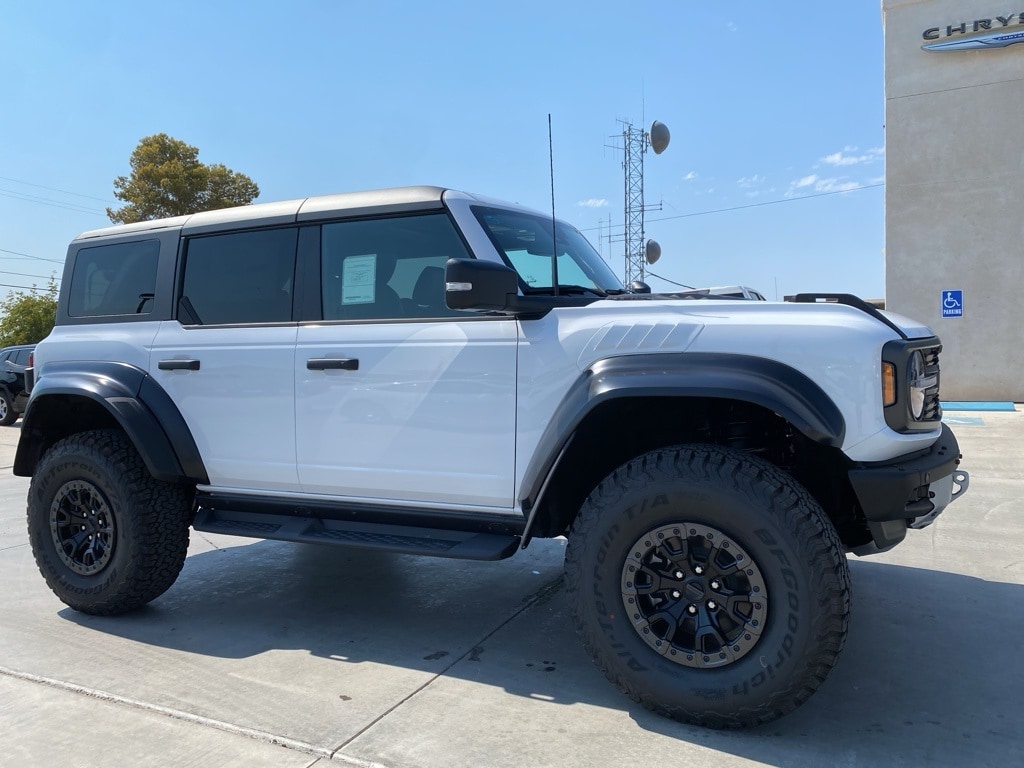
(708, 585)
(107, 536)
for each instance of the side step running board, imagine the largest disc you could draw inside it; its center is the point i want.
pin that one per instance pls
(393, 538)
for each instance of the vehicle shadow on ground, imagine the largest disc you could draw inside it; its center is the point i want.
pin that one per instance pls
(931, 673)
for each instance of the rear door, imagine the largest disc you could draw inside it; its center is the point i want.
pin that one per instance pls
(227, 359)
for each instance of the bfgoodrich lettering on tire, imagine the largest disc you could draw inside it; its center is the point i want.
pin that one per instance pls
(708, 585)
(106, 536)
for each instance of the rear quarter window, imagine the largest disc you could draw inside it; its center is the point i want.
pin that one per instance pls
(115, 279)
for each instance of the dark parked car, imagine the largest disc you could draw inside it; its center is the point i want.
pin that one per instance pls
(14, 362)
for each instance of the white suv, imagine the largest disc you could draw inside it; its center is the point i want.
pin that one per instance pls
(435, 373)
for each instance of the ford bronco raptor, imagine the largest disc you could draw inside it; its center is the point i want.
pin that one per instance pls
(436, 373)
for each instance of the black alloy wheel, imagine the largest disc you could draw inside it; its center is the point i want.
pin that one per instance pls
(694, 595)
(82, 527)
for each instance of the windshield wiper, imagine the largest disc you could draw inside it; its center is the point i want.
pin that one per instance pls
(567, 290)
(570, 289)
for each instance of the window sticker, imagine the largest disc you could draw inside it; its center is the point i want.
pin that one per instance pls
(358, 274)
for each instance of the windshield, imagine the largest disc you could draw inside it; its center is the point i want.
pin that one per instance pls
(524, 241)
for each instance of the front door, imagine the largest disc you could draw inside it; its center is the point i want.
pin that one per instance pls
(399, 399)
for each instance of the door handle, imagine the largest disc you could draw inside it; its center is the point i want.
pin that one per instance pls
(178, 365)
(332, 364)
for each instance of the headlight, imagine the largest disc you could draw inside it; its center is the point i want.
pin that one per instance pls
(910, 384)
(916, 383)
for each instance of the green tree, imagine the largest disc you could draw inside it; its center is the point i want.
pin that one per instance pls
(28, 317)
(167, 179)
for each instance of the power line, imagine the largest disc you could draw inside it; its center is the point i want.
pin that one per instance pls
(757, 205)
(24, 274)
(47, 201)
(769, 202)
(673, 282)
(23, 287)
(54, 189)
(19, 254)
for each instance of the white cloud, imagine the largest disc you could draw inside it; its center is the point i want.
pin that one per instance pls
(690, 176)
(818, 185)
(751, 181)
(852, 156)
(593, 202)
(835, 185)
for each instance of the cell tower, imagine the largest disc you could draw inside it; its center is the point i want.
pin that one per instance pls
(635, 141)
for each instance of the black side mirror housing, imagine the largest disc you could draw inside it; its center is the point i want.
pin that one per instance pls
(481, 285)
(639, 286)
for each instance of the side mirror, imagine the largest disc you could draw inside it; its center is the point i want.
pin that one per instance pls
(482, 285)
(639, 286)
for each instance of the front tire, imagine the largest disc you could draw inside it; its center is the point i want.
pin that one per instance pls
(107, 536)
(7, 413)
(708, 585)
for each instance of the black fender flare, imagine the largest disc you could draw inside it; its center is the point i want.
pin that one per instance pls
(133, 399)
(757, 380)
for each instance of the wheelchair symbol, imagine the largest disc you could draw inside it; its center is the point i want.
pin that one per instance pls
(952, 303)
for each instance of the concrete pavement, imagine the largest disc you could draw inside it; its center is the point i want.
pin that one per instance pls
(276, 654)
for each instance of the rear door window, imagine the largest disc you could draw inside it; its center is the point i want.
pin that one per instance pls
(239, 278)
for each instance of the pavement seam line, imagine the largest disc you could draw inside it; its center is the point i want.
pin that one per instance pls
(541, 594)
(177, 714)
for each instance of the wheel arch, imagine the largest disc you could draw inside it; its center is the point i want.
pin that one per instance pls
(76, 397)
(633, 404)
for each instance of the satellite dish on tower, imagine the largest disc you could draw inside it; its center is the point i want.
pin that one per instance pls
(659, 137)
(652, 251)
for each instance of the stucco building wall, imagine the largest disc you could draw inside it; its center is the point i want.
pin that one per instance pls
(954, 199)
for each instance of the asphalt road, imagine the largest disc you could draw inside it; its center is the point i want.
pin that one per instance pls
(275, 654)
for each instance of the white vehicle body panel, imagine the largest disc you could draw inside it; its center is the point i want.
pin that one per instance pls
(239, 404)
(834, 343)
(120, 342)
(429, 416)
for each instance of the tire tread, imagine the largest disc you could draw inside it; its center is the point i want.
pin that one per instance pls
(156, 538)
(801, 518)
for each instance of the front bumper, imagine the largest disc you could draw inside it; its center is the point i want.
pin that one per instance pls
(910, 491)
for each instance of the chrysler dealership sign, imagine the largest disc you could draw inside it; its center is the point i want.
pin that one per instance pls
(997, 32)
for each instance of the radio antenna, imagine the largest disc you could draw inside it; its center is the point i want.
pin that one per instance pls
(554, 241)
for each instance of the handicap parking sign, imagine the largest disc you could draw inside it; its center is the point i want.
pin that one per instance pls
(953, 303)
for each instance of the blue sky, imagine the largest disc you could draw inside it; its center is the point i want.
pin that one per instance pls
(773, 179)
